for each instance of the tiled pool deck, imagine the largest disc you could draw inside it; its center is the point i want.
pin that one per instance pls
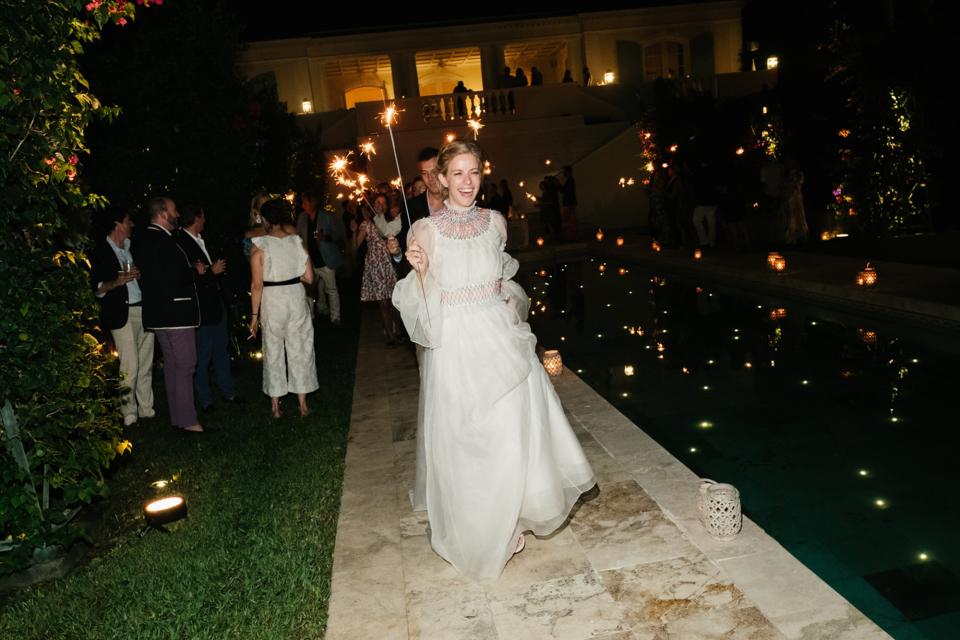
(633, 561)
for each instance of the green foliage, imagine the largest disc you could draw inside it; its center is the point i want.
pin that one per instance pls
(883, 187)
(54, 373)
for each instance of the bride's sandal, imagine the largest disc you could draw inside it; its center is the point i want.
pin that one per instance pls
(521, 543)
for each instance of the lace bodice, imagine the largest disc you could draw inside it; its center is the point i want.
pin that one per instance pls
(464, 247)
(283, 258)
(461, 225)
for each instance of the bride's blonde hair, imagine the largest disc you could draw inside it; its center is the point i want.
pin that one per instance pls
(453, 149)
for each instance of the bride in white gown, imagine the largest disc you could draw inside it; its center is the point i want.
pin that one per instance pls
(498, 455)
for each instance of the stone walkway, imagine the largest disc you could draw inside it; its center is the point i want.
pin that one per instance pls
(632, 564)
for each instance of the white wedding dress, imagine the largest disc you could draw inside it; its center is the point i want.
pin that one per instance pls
(496, 455)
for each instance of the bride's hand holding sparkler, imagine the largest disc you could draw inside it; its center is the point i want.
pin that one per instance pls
(417, 257)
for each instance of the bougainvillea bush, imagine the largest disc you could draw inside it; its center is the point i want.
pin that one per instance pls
(58, 387)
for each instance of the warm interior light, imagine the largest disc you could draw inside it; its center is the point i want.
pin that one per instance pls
(628, 370)
(540, 242)
(609, 77)
(620, 241)
(773, 62)
(307, 106)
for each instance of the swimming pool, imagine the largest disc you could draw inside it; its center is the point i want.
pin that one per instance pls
(839, 433)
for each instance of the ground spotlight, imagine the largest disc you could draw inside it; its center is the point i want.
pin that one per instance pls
(163, 511)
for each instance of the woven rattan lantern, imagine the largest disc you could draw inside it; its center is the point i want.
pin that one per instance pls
(697, 254)
(771, 258)
(552, 362)
(540, 241)
(620, 241)
(779, 264)
(719, 509)
(655, 246)
(599, 235)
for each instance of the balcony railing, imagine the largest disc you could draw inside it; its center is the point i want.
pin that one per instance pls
(595, 104)
(454, 109)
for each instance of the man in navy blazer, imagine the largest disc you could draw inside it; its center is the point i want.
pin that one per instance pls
(170, 307)
(212, 336)
(113, 277)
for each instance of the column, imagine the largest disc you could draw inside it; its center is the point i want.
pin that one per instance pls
(403, 69)
(576, 58)
(492, 63)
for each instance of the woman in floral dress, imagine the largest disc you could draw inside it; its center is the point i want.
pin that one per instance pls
(379, 276)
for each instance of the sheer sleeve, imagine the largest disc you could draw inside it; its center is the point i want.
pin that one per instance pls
(419, 306)
(513, 294)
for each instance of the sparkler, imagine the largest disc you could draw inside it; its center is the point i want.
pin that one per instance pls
(476, 125)
(388, 119)
(368, 149)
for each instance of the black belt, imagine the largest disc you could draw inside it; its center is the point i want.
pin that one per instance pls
(134, 304)
(283, 283)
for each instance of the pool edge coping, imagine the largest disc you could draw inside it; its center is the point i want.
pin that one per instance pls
(759, 565)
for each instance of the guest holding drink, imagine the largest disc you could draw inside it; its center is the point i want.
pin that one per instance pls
(114, 278)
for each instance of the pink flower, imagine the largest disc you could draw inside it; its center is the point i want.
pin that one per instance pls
(73, 158)
(122, 21)
(71, 174)
(16, 91)
(93, 5)
(50, 160)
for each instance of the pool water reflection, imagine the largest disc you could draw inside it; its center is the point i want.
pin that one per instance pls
(840, 436)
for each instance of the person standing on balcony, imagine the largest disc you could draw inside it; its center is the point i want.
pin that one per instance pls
(520, 80)
(586, 77)
(536, 77)
(506, 80)
(458, 92)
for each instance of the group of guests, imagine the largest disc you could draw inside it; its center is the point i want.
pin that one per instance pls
(164, 288)
(496, 457)
(168, 286)
(558, 205)
(696, 204)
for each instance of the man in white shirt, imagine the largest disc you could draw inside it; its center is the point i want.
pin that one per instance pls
(212, 336)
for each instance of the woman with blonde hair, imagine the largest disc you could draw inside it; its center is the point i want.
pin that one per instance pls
(498, 455)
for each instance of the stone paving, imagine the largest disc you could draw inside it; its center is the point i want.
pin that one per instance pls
(632, 563)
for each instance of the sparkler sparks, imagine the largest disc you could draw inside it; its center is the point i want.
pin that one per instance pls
(476, 125)
(368, 149)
